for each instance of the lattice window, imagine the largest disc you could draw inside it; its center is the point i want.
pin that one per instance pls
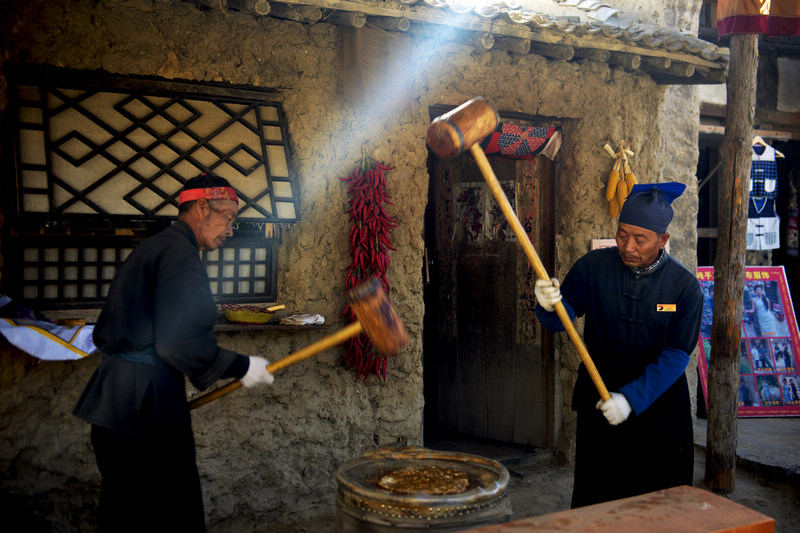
(105, 157)
(243, 267)
(81, 270)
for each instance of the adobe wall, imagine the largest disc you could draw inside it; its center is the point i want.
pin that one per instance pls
(268, 456)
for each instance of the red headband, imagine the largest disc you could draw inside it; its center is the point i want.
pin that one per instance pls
(209, 193)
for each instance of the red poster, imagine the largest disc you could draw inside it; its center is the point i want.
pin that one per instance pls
(769, 382)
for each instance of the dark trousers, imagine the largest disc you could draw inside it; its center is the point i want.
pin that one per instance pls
(613, 462)
(150, 483)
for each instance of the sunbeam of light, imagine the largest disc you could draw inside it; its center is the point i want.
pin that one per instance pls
(393, 73)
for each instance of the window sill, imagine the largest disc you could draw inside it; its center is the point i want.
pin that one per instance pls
(224, 325)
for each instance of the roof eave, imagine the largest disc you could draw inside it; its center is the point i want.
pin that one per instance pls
(667, 56)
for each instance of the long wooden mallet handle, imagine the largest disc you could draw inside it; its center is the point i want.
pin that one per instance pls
(313, 349)
(376, 318)
(448, 135)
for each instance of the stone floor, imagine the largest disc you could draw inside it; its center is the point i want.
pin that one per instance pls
(767, 473)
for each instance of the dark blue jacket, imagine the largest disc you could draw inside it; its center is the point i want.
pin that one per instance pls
(639, 328)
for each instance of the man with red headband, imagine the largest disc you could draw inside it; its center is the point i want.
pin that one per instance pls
(643, 311)
(155, 330)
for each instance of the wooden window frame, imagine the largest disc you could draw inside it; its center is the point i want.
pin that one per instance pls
(62, 243)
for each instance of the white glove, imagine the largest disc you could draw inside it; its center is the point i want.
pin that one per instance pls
(616, 409)
(547, 293)
(257, 373)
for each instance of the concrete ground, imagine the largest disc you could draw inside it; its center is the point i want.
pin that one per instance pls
(767, 474)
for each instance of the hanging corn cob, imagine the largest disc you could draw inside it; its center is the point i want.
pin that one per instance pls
(611, 189)
(621, 179)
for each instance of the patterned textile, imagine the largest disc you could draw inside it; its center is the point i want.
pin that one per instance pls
(35, 335)
(763, 224)
(209, 193)
(763, 172)
(522, 142)
(761, 208)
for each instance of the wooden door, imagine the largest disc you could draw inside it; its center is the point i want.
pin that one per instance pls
(485, 373)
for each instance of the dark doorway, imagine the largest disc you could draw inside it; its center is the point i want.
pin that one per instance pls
(488, 371)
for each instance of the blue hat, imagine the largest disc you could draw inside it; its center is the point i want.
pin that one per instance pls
(648, 206)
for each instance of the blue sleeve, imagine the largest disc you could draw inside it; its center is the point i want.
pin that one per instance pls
(550, 320)
(657, 378)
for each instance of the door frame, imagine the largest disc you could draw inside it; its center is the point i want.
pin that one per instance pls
(546, 251)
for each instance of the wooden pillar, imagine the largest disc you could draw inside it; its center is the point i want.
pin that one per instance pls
(729, 267)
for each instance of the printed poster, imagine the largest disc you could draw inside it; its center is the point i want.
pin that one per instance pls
(769, 382)
(477, 214)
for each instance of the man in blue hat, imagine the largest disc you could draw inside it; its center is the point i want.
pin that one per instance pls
(643, 312)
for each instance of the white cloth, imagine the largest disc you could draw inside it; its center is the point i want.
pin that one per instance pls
(302, 320)
(48, 341)
(553, 145)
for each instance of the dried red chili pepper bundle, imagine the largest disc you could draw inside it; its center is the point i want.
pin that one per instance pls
(369, 246)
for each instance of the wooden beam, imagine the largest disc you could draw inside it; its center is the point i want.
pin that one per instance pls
(592, 53)
(712, 110)
(774, 124)
(765, 134)
(706, 180)
(431, 31)
(675, 74)
(683, 70)
(484, 41)
(716, 130)
(299, 13)
(352, 19)
(256, 7)
(261, 7)
(676, 69)
(213, 4)
(389, 23)
(553, 51)
(628, 61)
(715, 75)
(777, 117)
(512, 44)
(658, 63)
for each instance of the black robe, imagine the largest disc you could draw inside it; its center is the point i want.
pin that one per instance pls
(639, 332)
(157, 326)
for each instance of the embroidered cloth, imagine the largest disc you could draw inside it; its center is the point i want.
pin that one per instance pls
(522, 142)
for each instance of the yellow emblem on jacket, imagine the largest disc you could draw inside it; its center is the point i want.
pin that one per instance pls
(666, 308)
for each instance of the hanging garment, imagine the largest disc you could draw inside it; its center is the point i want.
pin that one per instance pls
(763, 172)
(763, 224)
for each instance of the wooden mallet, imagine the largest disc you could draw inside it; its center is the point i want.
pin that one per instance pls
(463, 128)
(375, 317)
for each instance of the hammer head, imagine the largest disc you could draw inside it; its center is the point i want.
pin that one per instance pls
(449, 135)
(377, 317)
